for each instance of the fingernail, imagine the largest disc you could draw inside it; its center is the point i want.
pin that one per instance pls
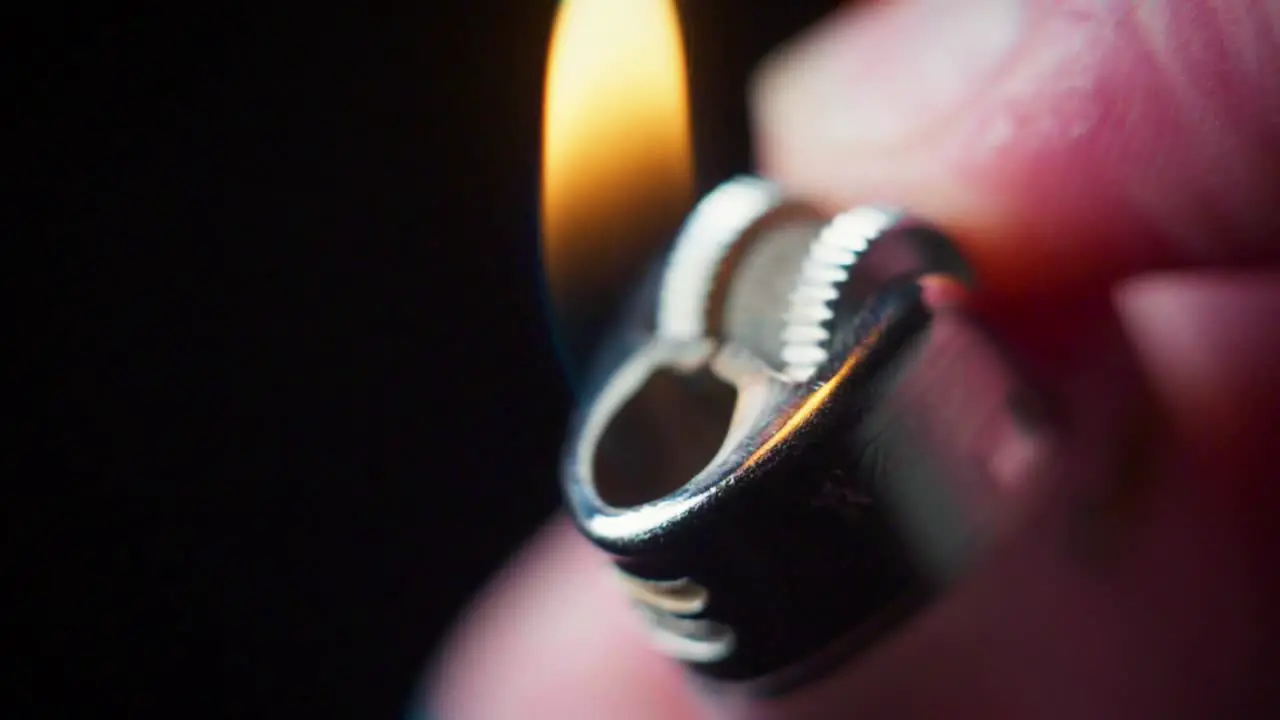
(878, 73)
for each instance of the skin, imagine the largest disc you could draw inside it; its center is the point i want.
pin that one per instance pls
(1112, 168)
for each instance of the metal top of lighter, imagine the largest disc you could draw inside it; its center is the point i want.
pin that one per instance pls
(786, 442)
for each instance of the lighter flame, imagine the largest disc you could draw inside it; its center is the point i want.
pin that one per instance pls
(618, 163)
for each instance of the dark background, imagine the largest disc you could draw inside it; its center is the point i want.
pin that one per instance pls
(301, 397)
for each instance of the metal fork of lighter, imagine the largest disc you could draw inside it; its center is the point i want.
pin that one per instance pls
(794, 439)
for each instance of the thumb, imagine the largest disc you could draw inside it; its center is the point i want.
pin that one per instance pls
(1067, 143)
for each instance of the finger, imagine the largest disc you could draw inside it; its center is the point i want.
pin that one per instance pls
(1211, 345)
(1067, 143)
(554, 638)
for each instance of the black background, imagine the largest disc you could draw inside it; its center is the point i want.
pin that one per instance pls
(301, 397)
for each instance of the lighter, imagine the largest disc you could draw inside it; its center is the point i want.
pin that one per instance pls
(793, 439)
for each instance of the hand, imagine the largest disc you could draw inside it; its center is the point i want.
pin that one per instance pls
(1112, 169)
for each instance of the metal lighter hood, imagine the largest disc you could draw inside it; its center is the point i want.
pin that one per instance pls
(784, 446)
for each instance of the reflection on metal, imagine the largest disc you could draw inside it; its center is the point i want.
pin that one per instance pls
(667, 607)
(678, 597)
(811, 404)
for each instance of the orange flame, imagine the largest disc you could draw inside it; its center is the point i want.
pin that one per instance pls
(617, 173)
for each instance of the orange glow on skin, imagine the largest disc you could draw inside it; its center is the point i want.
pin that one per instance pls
(617, 172)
